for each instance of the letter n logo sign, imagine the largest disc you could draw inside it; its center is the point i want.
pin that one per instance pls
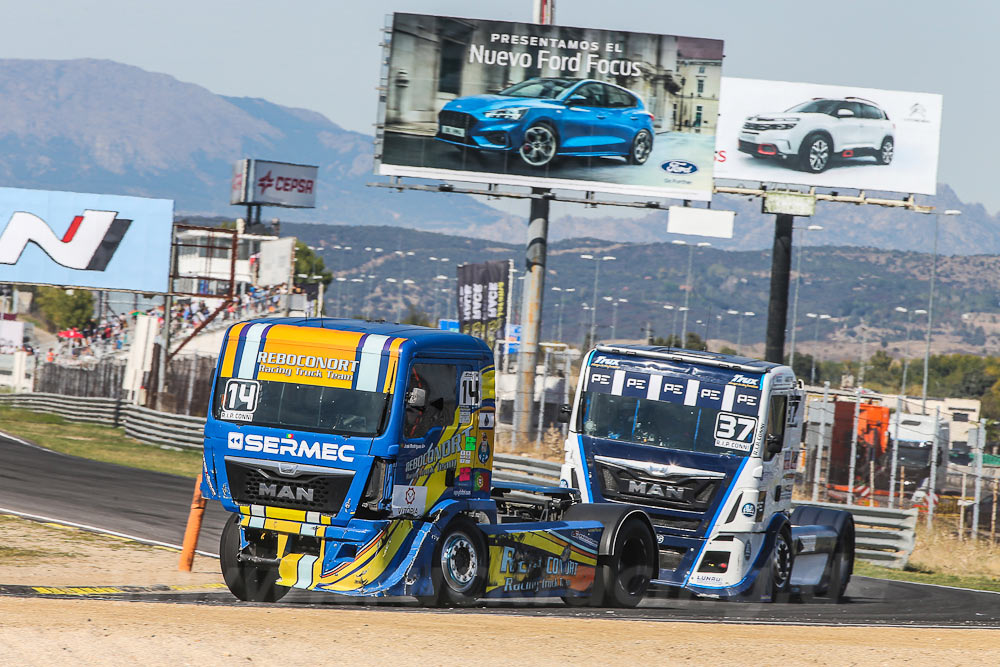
(88, 244)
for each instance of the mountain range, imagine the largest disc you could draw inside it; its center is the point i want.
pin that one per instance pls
(101, 126)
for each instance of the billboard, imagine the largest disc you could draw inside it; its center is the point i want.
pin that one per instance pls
(273, 184)
(85, 240)
(276, 260)
(828, 136)
(550, 106)
(483, 293)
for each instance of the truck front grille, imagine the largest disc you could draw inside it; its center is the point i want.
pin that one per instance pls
(257, 486)
(619, 484)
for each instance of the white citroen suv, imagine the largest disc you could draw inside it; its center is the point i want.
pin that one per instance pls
(811, 134)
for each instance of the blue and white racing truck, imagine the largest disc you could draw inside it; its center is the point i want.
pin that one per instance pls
(707, 445)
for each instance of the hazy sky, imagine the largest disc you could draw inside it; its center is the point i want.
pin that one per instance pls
(324, 55)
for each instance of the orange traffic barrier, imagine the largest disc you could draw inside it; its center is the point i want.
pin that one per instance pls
(193, 528)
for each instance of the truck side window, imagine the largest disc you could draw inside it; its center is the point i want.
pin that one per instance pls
(777, 412)
(439, 381)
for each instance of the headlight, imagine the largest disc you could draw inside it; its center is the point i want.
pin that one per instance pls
(783, 126)
(510, 113)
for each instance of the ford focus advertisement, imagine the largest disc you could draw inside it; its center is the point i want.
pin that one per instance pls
(549, 106)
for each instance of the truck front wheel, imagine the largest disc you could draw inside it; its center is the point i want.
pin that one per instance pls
(459, 566)
(624, 575)
(782, 558)
(247, 582)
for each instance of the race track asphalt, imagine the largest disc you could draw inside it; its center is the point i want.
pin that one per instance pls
(154, 506)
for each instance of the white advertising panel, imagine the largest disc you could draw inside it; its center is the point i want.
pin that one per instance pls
(550, 106)
(273, 184)
(275, 261)
(700, 222)
(85, 240)
(828, 136)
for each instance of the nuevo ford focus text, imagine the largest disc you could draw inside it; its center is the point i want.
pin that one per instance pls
(543, 118)
(811, 134)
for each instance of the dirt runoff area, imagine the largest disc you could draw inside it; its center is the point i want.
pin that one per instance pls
(37, 631)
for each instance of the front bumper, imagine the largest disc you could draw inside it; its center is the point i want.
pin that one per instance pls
(767, 144)
(486, 134)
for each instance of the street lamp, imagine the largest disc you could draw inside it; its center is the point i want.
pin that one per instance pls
(670, 307)
(739, 328)
(614, 313)
(906, 349)
(930, 307)
(562, 292)
(445, 278)
(687, 283)
(795, 300)
(817, 317)
(597, 271)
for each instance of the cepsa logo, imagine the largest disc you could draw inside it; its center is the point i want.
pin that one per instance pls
(284, 184)
(269, 444)
(88, 244)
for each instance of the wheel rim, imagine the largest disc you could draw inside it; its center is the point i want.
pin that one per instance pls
(459, 562)
(819, 153)
(782, 562)
(635, 566)
(887, 152)
(642, 147)
(539, 145)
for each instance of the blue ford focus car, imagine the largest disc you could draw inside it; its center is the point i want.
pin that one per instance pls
(543, 118)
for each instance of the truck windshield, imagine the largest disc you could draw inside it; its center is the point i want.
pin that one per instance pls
(914, 455)
(309, 407)
(668, 425)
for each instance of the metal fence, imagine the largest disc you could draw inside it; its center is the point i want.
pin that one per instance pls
(103, 379)
(884, 536)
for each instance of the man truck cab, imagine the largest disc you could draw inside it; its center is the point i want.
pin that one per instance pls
(357, 457)
(707, 444)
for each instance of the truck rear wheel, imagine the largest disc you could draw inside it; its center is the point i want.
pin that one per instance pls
(624, 575)
(247, 582)
(459, 567)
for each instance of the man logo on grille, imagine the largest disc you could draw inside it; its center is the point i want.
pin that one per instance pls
(88, 244)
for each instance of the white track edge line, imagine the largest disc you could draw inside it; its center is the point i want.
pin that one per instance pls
(924, 583)
(95, 529)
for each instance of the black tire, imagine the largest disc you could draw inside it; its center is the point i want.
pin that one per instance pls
(459, 566)
(623, 576)
(841, 564)
(780, 565)
(642, 147)
(886, 151)
(540, 145)
(247, 582)
(816, 153)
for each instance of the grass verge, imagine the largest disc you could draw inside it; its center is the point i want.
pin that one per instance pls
(97, 442)
(975, 582)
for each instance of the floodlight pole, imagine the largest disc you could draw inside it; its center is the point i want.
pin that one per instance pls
(534, 286)
(777, 308)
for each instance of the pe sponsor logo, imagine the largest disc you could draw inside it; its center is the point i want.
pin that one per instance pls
(682, 167)
(89, 244)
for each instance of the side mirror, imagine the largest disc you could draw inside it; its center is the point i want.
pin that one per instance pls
(575, 99)
(774, 444)
(844, 113)
(565, 410)
(417, 398)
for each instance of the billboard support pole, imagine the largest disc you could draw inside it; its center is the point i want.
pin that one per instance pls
(531, 312)
(534, 285)
(777, 308)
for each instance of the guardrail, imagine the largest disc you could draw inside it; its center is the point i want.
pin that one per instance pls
(883, 536)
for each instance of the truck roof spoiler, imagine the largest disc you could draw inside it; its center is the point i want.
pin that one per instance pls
(763, 367)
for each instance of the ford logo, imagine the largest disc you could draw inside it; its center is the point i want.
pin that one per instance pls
(678, 167)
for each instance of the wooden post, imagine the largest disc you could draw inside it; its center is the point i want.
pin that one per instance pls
(961, 511)
(871, 478)
(993, 519)
(190, 543)
(902, 485)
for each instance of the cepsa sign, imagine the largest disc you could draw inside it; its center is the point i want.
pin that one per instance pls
(273, 184)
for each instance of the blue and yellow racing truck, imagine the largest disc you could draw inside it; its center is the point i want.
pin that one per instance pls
(357, 458)
(707, 444)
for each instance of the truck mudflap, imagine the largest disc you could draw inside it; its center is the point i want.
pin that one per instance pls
(814, 545)
(534, 559)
